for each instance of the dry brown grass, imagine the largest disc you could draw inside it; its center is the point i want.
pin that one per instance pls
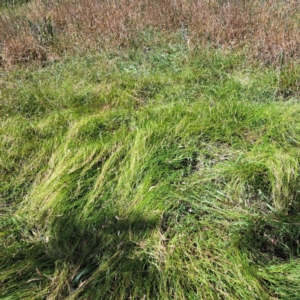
(44, 30)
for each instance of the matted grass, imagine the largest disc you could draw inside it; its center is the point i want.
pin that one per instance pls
(149, 174)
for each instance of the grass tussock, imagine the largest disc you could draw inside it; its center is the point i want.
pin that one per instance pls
(45, 30)
(165, 174)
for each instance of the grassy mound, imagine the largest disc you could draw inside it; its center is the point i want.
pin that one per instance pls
(159, 173)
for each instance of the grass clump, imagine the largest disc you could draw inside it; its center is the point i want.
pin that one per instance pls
(158, 174)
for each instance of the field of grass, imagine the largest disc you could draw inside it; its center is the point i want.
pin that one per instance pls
(159, 170)
(46, 30)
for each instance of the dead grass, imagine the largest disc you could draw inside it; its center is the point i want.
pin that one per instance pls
(45, 30)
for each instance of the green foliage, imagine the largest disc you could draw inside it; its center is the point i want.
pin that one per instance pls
(43, 31)
(165, 174)
(12, 3)
(289, 79)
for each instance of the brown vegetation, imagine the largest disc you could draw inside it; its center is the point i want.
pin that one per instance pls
(44, 30)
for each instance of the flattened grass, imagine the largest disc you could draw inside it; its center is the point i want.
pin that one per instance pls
(165, 174)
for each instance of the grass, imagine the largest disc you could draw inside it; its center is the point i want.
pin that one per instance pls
(158, 173)
(43, 31)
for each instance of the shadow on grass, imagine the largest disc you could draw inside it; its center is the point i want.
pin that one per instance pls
(272, 238)
(103, 257)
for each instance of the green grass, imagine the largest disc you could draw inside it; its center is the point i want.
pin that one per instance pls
(160, 173)
(12, 3)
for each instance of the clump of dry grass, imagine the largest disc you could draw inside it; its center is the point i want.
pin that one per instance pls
(43, 30)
